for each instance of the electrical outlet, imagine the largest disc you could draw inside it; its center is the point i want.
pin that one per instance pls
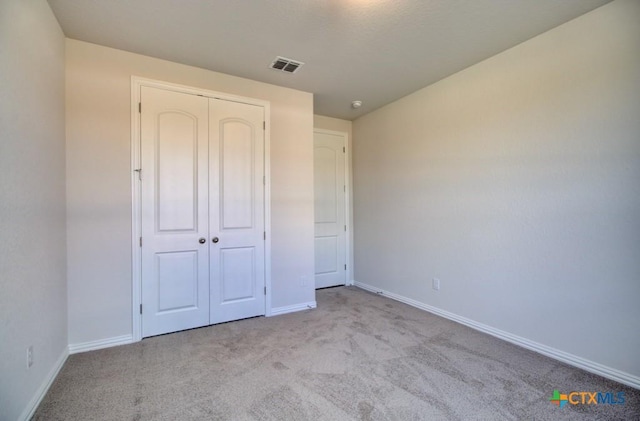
(436, 284)
(30, 356)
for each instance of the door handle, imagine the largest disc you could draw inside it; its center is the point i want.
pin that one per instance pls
(202, 240)
(215, 239)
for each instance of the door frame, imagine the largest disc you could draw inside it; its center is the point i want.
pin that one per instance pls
(347, 201)
(136, 212)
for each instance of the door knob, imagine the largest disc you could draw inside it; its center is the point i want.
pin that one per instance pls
(202, 240)
(215, 239)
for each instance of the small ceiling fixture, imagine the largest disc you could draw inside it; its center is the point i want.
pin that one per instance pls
(356, 104)
(286, 64)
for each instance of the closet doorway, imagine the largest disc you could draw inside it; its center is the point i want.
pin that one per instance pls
(201, 181)
(330, 208)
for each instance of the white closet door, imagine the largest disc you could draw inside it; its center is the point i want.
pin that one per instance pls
(330, 215)
(175, 214)
(236, 133)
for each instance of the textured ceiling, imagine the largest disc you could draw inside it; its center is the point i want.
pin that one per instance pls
(371, 50)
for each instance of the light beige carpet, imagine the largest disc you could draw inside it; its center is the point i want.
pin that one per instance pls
(357, 356)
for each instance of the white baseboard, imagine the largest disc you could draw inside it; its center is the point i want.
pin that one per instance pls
(44, 387)
(100, 344)
(556, 354)
(292, 309)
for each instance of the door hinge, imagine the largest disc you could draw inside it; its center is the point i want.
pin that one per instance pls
(264, 180)
(344, 188)
(265, 235)
(345, 267)
(140, 308)
(139, 171)
(344, 150)
(345, 228)
(265, 290)
(140, 241)
(140, 107)
(264, 125)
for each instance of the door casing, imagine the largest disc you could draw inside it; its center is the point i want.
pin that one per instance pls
(136, 212)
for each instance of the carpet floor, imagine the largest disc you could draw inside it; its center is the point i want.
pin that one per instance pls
(358, 356)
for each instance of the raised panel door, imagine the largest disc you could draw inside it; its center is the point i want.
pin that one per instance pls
(175, 264)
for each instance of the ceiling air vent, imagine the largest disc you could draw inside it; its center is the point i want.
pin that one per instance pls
(286, 65)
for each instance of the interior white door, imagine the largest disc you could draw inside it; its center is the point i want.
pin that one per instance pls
(175, 216)
(330, 215)
(203, 227)
(236, 210)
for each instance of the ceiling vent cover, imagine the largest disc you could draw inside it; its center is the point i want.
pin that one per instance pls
(286, 65)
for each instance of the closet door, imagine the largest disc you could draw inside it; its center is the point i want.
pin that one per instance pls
(330, 215)
(175, 211)
(202, 204)
(236, 133)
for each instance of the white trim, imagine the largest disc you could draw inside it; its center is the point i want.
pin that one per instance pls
(347, 202)
(100, 344)
(267, 209)
(556, 354)
(136, 214)
(44, 387)
(292, 309)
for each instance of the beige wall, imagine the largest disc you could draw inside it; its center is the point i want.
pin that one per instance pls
(516, 182)
(33, 291)
(99, 178)
(335, 124)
